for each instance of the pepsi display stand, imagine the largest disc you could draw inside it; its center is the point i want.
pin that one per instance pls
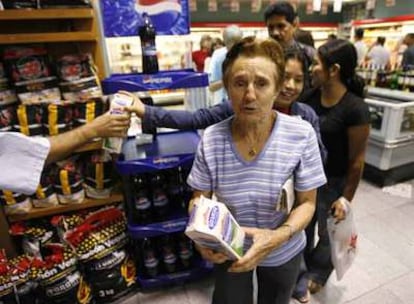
(167, 151)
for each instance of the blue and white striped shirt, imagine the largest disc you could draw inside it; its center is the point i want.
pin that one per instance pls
(251, 189)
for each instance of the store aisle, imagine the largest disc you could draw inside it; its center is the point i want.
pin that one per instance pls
(382, 273)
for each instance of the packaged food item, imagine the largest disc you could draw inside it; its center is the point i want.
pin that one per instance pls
(15, 203)
(212, 225)
(10, 4)
(29, 120)
(45, 195)
(57, 118)
(87, 111)
(43, 90)
(64, 3)
(99, 176)
(8, 116)
(15, 284)
(100, 244)
(59, 278)
(68, 182)
(7, 94)
(114, 144)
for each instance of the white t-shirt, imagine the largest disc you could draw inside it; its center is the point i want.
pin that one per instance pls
(361, 49)
(379, 56)
(21, 161)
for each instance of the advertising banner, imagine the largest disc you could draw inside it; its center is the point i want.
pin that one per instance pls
(123, 17)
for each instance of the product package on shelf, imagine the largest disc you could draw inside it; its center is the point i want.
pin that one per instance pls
(86, 111)
(15, 203)
(100, 243)
(8, 116)
(212, 225)
(57, 118)
(78, 78)
(29, 120)
(59, 278)
(32, 236)
(64, 3)
(68, 182)
(98, 174)
(45, 195)
(7, 93)
(16, 287)
(20, 4)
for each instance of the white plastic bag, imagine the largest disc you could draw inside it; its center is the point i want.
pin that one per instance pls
(343, 237)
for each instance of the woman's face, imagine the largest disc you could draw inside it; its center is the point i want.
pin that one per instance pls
(293, 83)
(251, 87)
(319, 73)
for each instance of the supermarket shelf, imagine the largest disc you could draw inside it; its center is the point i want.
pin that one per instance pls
(47, 37)
(27, 14)
(95, 145)
(87, 203)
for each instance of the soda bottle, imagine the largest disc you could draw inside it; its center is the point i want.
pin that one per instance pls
(159, 197)
(151, 262)
(147, 34)
(142, 206)
(168, 255)
(175, 188)
(185, 250)
(187, 190)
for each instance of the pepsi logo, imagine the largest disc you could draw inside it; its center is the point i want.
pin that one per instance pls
(164, 13)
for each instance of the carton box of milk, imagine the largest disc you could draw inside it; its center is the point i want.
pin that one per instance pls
(212, 225)
(114, 144)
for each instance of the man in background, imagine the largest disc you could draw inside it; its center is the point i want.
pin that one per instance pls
(378, 55)
(360, 45)
(200, 55)
(282, 22)
(407, 62)
(231, 35)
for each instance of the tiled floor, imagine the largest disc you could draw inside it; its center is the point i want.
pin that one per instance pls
(383, 272)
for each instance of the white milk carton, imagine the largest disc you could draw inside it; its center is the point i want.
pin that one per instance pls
(114, 144)
(212, 225)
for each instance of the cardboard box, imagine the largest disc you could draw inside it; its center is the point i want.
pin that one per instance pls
(114, 144)
(212, 225)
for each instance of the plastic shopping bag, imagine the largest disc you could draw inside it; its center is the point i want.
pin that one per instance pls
(343, 238)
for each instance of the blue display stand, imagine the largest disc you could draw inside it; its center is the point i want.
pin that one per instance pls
(167, 151)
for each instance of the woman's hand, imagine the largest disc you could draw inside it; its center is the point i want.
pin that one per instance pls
(339, 210)
(211, 255)
(264, 241)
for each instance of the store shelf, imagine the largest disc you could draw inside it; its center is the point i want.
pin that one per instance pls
(47, 37)
(27, 14)
(87, 203)
(95, 145)
(173, 225)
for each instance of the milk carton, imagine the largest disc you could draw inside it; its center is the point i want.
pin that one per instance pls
(114, 144)
(212, 225)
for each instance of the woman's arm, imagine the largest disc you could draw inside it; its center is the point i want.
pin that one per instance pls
(357, 143)
(266, 240)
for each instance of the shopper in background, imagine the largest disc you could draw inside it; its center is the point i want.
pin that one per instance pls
(408, 56)
(360, 45)
(216, 44)
(344, 122)
(282, 21)
(200, 55)
(378, 55)
(293, 86)
(244, 160)
(22, 158)
(332, 37)
(231, 35)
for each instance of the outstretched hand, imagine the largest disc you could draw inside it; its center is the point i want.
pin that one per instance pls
(108, 125)
(137, 106)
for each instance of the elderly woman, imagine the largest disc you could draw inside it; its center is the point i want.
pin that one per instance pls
(244, 160)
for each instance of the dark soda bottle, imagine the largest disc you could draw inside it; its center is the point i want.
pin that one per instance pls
(168, 255)
(147, 34)
(175, 188)
(159, 197)
(185, 250)
(151, 262)
(142, 206)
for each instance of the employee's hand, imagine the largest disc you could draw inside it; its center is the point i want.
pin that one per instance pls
(211, 255)
(264, 241)
(137, 106)
(108, 125)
